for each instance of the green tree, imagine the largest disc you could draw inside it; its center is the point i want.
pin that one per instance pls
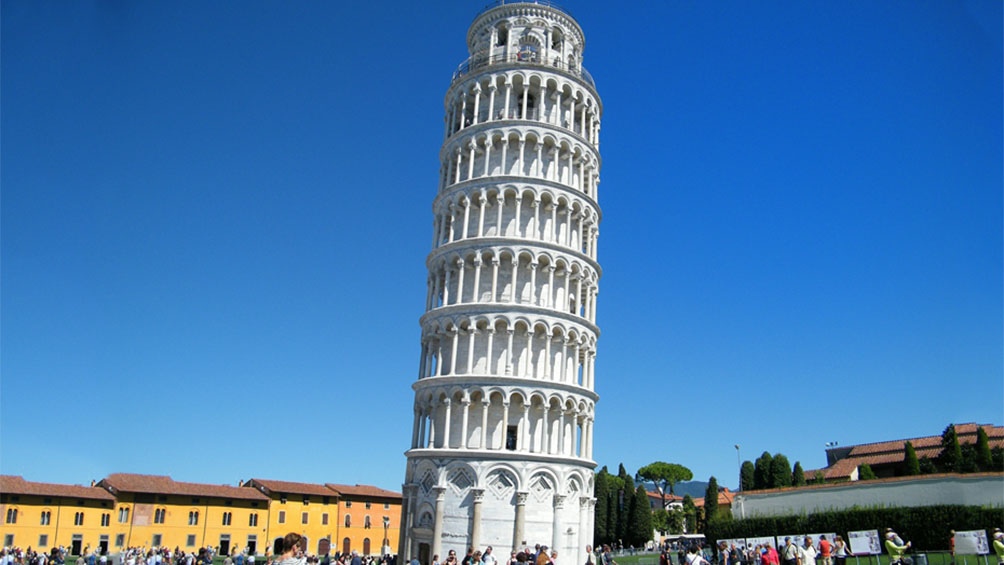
(761, 472)
(641, 518)
(601, 491)
(780, 471)
(625, 499)
(927, 467)
(747, 476)
(865, 472)
(711, 500)
(664, 475)
(950, 459)
(910, 462)
(689, 514)
(660, 520)
(819, 478)
(798, 475)
(984, 457)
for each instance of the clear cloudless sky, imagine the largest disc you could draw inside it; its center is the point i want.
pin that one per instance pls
(215, 217)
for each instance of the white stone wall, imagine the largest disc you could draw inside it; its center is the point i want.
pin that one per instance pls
(975, 490)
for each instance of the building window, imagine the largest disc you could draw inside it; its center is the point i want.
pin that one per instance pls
(123, 515)
(119, 540)
(8, 540)
(386, 506)
(12, 515)
(193, 518)
(304, 517)
(190, 542)
(366, 521)
(43, 540)
(324, 519)
(253, 520)
(156, 541)
(348, 521)
(368, 505)
(227, 517)
(158, 517)
(78, 518)
(348, 504)
(282, 516)
(306, 500)
(106, 519)
(46, 518)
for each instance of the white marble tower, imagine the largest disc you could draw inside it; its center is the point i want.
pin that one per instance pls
(501, 450)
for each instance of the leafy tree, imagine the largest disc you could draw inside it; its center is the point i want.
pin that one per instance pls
(984, 457)
(927, 467)
(798, 475)
(997, 457)
(950, 459)
(664, 475)
(640, 530)
(660, 520)
(747, 476)
(865, 472)
(911, 464)
(780, 471)
(761, 472)
(819, 478)
(711, 500)
(601, 491)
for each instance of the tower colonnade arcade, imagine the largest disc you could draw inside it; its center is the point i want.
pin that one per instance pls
(510, 211)
(527, 96)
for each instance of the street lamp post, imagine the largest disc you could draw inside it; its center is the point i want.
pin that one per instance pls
(386, 540)
(739, 464)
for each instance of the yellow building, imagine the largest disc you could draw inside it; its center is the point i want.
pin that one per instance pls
(332, 518)
(44, 515)
(128, 510)
(159, 511)
(370, 519)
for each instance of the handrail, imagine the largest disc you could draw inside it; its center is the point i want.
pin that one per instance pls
(546, 3)
(480, 61)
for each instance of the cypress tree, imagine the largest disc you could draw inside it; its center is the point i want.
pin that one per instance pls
(601, 492)
(761, 472)
(780, 471)
(711, 501)
(798, 475)
(951, 452)
(625, 500)
(689, 514)
(910, 461)
(747, 476)
(984, 457)
(641, 519)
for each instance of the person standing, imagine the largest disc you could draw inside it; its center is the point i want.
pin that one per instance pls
(825, 551)
(896, 547)
(790, 553)
(999, 545)
(808, 555)
(292, 554)
(840, 550)
(488, 558)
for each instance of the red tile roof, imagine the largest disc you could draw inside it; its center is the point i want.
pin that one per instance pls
(363, 491)
(286, 487)
(887, 452)
(10, 484)
(725, 498)
(162, 484)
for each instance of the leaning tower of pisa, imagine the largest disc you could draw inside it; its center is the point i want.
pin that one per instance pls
(501, 448)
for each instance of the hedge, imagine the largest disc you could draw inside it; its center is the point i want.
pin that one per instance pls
(927, 527)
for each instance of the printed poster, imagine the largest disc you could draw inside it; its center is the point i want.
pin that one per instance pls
(865, 542)
(764, 541)
(972, 542)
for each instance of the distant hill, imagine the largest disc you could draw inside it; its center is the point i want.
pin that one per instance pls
(695, 489)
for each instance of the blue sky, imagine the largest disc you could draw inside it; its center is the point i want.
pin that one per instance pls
(215, 217)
